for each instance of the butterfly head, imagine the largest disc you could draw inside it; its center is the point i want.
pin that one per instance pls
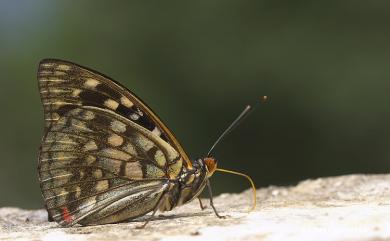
(211, 165)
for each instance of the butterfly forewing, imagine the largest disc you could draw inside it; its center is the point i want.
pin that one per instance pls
(104, 158)
(64, 86)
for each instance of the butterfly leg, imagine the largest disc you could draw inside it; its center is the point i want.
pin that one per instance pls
(154, 212)
(201, 204)
(149, 219)
(211, 200)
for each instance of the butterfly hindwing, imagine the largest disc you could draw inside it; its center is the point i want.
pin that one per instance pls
(92, 159)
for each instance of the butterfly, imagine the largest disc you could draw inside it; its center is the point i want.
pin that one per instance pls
(105, 156)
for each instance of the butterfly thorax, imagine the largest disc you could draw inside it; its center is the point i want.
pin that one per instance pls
(190, 184)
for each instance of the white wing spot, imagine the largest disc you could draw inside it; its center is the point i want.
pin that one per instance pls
(134, 116)
(156, 131)
(47, 64)
(139, 112)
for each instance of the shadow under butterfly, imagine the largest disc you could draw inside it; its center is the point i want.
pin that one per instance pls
(105, 157)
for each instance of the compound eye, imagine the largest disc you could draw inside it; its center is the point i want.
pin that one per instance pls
(211, 165)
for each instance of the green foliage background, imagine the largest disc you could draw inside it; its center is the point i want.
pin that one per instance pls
(324, 65)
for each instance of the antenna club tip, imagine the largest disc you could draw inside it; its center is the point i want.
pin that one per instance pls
(264, 98)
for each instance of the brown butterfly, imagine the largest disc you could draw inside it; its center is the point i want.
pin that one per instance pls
(105, 156)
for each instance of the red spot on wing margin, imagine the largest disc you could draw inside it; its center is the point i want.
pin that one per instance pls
(66, 216)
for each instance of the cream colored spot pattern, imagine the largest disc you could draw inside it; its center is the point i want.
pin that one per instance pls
(98, 173)
(77, 124)
(160, 158)
(134, 116)
(76, 93)
(54, 117)
(59, 103)
(90, 146)
(129, 148)
(63, 192)
(153, 171)
(118, 126)
(115, 140)
(63, 67)
(90, 159)
(45, 72)
(112, 104)
(133, 170)
(112, 165)
(89, 115)
(47, 64)
(101, 185)
(126, 102)
(78, 192)
(91, 83)
(156, 131)
(51, 80)
(145, 143)
(54, 91)
(59, 73)
(116, 154)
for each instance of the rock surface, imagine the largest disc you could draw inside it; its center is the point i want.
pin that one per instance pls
(354, 207)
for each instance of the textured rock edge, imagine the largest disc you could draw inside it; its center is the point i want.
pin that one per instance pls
(352, 207)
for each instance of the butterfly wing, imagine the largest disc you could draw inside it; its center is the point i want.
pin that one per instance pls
(105, 156)
(64, 85)
(92, 160)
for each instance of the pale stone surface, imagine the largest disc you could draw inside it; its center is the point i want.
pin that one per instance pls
(354, 207)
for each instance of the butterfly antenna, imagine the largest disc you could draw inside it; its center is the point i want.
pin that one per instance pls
(248, 109)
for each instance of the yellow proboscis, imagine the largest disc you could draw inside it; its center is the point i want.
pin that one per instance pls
(249, 179)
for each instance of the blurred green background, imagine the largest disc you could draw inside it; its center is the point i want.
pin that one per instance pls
(324, 65)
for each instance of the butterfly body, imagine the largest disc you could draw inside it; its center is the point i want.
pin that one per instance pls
(170, 194)
(105, 156)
